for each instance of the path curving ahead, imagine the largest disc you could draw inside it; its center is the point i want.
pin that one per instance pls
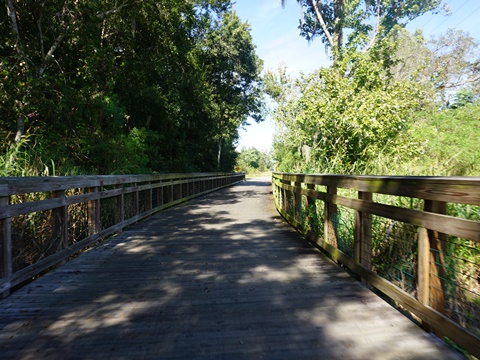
(220, 277)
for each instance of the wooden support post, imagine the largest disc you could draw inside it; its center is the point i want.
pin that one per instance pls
(285, 196)
(297, 202)
(120, 207)
(93, 213)
(330, 218)
(60, 222)
(437, 246)
(160, 195)
(279, 193)
(363, 234)
(311, 209)
(149, 200)
(423, 277)
(6, 240)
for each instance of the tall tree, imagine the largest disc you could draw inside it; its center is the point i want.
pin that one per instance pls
(234, 73)
(125, 85)
(366, 21)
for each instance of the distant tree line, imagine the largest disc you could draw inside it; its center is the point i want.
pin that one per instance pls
(252, 160)
(124, 86)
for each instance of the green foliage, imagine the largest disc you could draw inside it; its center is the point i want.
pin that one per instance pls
(375, 114)
(22, 158)
(252, 160)
(449, 141)
(463, 98)
(348, 114)
(111, 87)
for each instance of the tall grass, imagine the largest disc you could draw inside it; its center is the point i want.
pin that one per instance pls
(21, 158)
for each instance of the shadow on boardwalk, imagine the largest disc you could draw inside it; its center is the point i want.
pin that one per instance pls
(221, 277)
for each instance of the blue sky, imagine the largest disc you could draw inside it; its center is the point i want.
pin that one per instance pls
(275, 33)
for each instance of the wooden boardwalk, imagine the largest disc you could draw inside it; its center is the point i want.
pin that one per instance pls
(222, 277)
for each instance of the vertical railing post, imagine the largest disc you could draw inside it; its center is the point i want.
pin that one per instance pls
(6, 239)
(279, 193)
(149, 199)
(180, 189)
(160, 194)
(277, 182)
(437, 266)
(330, 218)
(311, 210)
(423, 278)
(285, 196)
(60, 222)
(136, 196)
(93, 213)
(363, 234)
(297, 202)
(120, 206)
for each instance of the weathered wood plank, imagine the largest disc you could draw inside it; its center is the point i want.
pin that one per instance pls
(446, 224)
(21, 185)
(448, 189)
(223, 277)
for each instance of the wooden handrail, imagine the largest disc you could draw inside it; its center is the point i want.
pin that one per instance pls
(54, 196)
(433, 225)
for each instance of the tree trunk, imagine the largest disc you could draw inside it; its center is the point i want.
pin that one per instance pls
(20, 121)
(318, 13)
(339, 13)
(219, 155)
(20, 128)
(13, 17)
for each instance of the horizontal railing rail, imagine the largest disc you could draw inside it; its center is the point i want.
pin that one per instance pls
(45, 220)
(416, 239)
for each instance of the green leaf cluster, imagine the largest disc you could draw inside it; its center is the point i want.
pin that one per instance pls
(348, 114)
(449, 141)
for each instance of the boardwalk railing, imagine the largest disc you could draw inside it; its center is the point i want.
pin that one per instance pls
(416, 239)
(45, 220)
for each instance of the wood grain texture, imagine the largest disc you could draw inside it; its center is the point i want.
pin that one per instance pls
(221, 278)
(440, 188)
(462, 228)
(435, 224)
(12, 185)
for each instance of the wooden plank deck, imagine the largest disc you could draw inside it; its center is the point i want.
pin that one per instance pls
(221, 277)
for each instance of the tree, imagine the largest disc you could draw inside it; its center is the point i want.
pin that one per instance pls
(122, 85)
(234, 73)
(448, 63)
(340, 123)
(253, 160)
(367, 22)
